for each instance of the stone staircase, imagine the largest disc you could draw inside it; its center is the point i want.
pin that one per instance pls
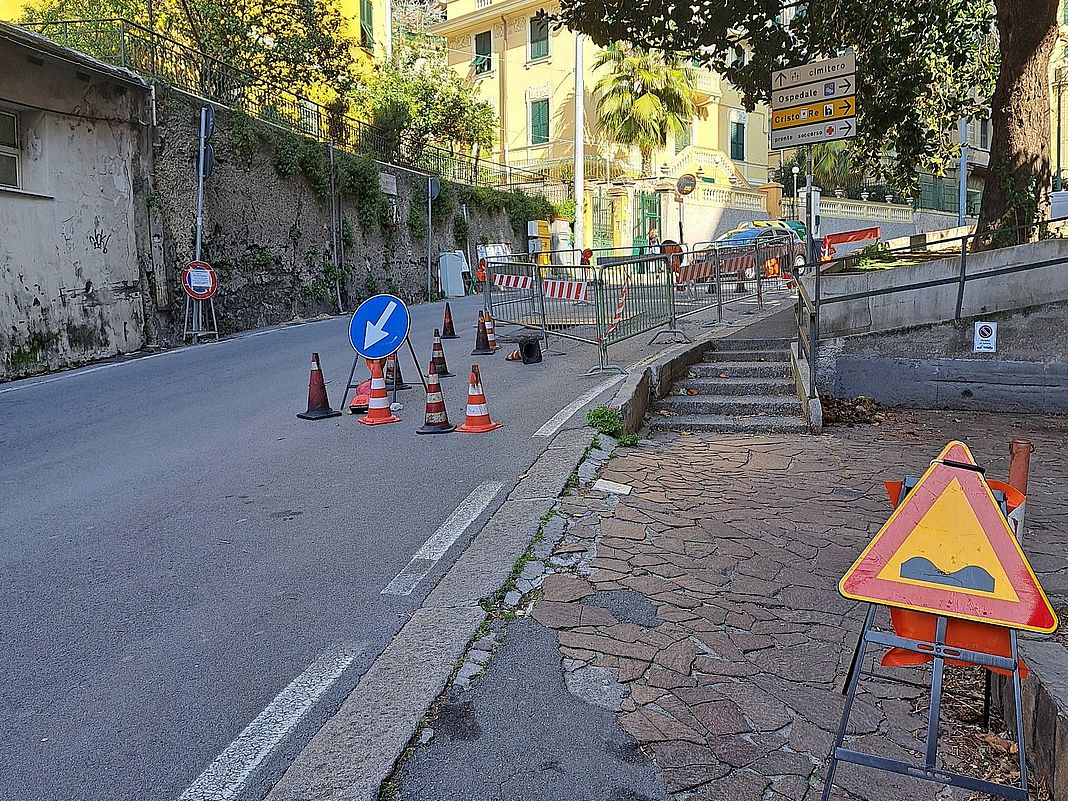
(741, 386)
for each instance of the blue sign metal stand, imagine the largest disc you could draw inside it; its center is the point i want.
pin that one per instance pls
(379, 326)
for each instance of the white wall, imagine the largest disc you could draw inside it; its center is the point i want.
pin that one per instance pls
(69, 266)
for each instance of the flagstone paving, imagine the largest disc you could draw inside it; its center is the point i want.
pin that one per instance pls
(702, 610)
(739, 543)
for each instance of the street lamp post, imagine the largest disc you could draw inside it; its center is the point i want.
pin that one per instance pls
(795, 170)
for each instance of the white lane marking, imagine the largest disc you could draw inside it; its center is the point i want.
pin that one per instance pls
(557, 420)
(228, 775)
(442, 539)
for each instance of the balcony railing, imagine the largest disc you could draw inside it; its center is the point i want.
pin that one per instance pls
(166, 61)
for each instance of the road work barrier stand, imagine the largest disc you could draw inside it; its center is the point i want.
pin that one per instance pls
(958, 587)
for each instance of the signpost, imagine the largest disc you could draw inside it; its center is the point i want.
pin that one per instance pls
(200, 283)
(811, 104)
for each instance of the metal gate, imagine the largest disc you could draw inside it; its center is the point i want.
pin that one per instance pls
(647, 214)
(602, 211)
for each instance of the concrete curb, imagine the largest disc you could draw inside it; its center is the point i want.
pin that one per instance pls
(1045, 712)
(357, 748)
(649, 384)
(812, 407)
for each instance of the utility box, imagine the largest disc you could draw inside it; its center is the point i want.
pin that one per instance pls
(454, 274)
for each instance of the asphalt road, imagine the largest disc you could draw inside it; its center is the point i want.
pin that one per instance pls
(176, 547)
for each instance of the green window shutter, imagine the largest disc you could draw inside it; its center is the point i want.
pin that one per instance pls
(539, 38)
(682, 138)
(483, 50)
(367, 27)
(539, 122)
(738, 141)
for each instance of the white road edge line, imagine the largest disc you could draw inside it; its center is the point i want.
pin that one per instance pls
(442, 539)
(80, 371)
(228, 775)
(556, 422)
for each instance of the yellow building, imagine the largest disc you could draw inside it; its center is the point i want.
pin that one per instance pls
(366, 22)
(525, 70)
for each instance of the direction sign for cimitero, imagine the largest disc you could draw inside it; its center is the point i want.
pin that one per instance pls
(814, 103)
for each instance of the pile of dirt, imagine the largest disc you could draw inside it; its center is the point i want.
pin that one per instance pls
(852, 411)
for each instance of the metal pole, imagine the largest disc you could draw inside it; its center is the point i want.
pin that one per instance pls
(1057, 180)
(580, 145)
(429, 243)
(682, 236)
(962, 190)
(809, 233)
(200, 181)
(333, 227)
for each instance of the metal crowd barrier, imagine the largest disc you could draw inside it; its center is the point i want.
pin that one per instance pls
(620, 295)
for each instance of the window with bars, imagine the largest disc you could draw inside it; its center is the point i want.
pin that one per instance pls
(483, 60)
(539, 122)
(738, 141)
(984, 134)
(9, 149)
(539, 38)
(367, 27)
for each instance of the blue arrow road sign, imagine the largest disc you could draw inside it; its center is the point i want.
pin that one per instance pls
(379, 326)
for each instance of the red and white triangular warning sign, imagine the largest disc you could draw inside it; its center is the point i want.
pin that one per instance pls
(948, 550)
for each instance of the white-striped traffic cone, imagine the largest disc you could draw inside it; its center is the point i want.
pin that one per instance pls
(489, 331)
(437, 416)
(478, 420)
(378, 405)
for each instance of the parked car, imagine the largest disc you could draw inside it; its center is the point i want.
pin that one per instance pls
(779, 248)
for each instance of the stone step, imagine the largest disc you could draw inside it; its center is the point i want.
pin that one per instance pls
(742, 405)
(751, 344)
(741, 370)
(727, 424)
(747, 356)
(743, 385)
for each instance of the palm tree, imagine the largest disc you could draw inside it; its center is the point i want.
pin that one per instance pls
(645, 94)
(834, 165)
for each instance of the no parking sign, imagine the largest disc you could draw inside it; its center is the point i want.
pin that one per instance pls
(199, 280)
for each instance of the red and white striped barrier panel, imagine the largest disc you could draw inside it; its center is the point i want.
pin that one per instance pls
(705, 267)
(617, 317)
(561, 289)
(502, 281)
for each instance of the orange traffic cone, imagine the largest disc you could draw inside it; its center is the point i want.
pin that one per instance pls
(514, 357)
(360, 400)
(393, 373)
(318, 403)
(448, 330)
(437, 416)
(478, 419)
(482, 344)
(437, 356)
(378, 406)
(489, 331)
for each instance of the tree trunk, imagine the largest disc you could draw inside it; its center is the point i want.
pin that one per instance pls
(647, 161)
(1017, 186)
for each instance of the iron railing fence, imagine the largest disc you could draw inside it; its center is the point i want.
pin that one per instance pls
(164, 60)
(811, 299)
